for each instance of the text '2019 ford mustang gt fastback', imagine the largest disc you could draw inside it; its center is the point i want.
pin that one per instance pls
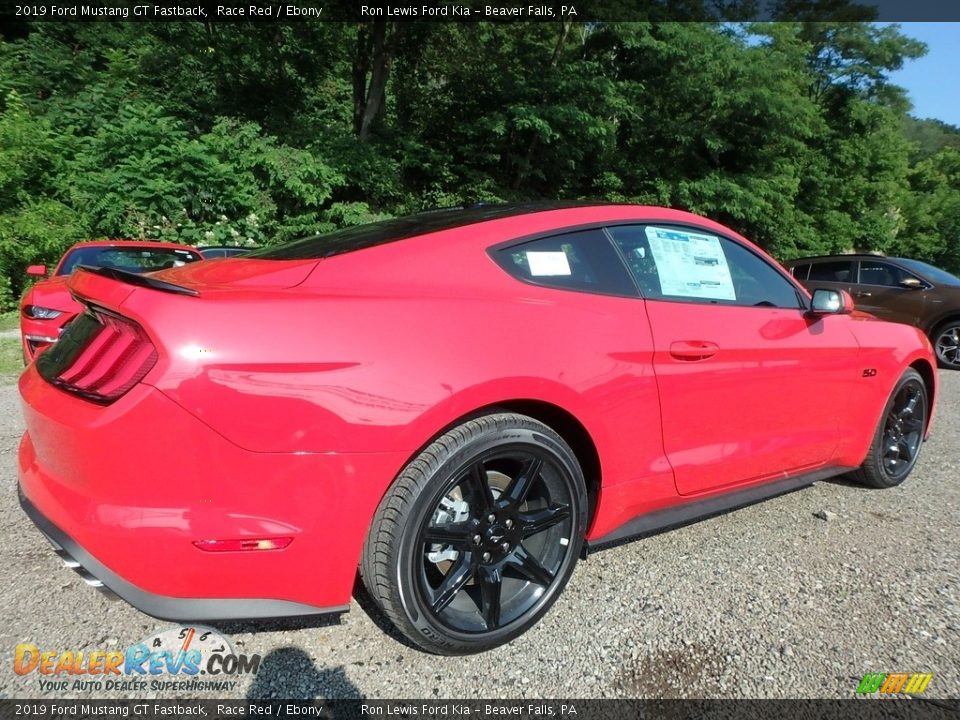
(458, 403)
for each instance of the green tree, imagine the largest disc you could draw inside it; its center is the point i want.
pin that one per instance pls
(790, 132)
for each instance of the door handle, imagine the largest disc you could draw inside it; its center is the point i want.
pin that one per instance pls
(862, 293)
(693, 349)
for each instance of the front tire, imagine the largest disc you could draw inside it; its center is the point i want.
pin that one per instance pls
(899, 436)
(478, 535)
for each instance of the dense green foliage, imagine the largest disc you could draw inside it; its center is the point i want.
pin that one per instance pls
(789, 132)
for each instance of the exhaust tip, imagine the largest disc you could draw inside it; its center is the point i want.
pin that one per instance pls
(90, 579)
(87, 577)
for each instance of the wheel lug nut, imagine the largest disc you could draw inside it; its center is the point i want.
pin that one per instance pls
(491, 517)
(477, 539)
(509, 523)
(505, 546)
(486, 557)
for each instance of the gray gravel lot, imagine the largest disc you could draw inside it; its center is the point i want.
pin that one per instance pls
(768, 601)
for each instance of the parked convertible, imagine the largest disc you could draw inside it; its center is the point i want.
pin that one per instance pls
(47, 306)
(459, 403)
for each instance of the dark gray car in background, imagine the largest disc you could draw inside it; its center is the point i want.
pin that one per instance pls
(892, 288)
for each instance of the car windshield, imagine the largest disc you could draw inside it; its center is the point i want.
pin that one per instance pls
(931, 272)
(130, 259)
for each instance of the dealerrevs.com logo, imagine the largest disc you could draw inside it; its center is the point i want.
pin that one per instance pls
(183, 658)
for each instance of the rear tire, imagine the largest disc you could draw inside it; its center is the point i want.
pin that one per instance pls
(478, 535)
(899, 435)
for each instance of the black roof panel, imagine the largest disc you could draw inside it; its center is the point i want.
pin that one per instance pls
(378, 233)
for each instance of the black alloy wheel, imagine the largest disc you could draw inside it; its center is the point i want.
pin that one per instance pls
(946, 343)
(496, 540)
(899, 437)
(903, 429)
(478, 535)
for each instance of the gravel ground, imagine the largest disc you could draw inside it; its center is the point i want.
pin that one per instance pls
(768, 601)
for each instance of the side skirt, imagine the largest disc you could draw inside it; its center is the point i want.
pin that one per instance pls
(689, 512)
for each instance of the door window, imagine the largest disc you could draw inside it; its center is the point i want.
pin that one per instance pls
(691, 265)
(873, 272)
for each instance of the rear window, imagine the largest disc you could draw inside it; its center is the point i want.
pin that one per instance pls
(130, 259)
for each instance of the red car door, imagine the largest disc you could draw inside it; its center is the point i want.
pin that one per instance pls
(751, 387)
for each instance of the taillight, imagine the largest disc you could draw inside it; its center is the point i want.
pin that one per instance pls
(100, 356)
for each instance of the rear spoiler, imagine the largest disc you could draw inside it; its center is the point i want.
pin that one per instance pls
(142, 280)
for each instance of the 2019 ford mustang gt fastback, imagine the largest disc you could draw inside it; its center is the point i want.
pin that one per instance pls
(458, 404)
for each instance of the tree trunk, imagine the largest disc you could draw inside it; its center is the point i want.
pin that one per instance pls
(523, 168)
(361, 64)
(373, 57)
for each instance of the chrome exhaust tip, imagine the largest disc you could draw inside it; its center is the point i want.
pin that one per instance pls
(90, 579)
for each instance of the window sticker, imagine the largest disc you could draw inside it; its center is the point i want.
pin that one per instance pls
(544, 264)
(690, 264)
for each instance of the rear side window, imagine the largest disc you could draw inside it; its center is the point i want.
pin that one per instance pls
(583, 260)
(838, 271)
(800, 271)
(673, 263)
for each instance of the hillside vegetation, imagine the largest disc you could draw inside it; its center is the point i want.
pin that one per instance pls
(216, 133)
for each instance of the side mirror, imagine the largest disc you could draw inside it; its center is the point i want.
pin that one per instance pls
(37, 270)
(911, 282)
(831, 302)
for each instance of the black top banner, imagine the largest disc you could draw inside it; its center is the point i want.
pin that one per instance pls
(590, 11)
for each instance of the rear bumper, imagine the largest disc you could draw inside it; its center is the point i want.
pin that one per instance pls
(127, 489)
(163, 607)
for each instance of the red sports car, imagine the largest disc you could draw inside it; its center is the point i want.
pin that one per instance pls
(47, 306)
(459, 404)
